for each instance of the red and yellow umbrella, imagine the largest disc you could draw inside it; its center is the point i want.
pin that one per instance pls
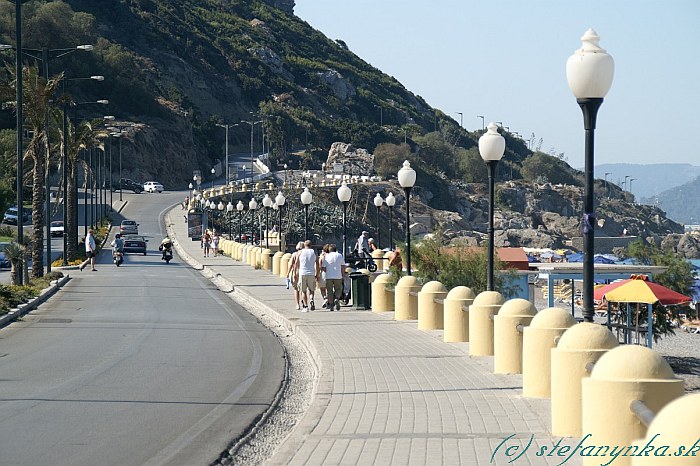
(638, 289)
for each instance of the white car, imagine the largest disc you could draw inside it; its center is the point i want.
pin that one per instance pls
(56, 228)
(152, 187)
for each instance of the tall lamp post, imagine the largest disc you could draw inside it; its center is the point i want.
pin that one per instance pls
(407, 178)
(630, 185)
(378, 202)
(213, 173)
(306, 199)
(491, 147)
(589, 72)
(229, 212)
(344, 195)
(267, 203)
(191, 186)
(239, 208)
(220, 207)
(279, 201)
(252, 206)
(390, 202)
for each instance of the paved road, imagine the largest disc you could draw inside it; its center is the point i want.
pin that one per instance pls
(143, 364)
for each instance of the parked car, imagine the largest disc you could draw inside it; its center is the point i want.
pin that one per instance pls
(11, 216)
(129, 227)
(56, 228)
(152, 187)
(4, 261)
(135, 243)
(128, 184)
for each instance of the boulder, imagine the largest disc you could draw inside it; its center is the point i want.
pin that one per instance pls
(355, 161)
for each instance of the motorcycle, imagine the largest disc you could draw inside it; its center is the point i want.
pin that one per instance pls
(117, 257)
(167, 253)
(361, 262)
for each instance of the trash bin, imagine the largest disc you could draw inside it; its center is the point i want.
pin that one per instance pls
(360, 291)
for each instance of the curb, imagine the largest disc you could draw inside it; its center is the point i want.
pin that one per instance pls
(33, 303)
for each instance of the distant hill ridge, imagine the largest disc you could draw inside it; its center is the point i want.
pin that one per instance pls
(649, 180)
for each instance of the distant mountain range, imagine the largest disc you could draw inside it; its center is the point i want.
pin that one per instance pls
(648, 180)
(681, 203)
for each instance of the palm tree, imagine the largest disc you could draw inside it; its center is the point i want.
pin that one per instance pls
(80, 138)
(15, 254)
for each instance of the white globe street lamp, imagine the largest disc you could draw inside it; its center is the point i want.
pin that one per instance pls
(229, 212)
(344, 194)
(306, 199)
(589, 72)
(239, 208)
(390, 202)
(267, 202)
(491, 147)
(378, 203)
(252, 206)
(407, 179)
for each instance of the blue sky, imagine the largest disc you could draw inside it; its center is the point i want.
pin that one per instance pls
(506, 60)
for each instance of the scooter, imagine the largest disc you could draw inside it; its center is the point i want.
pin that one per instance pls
(167, 254)
(117, 257)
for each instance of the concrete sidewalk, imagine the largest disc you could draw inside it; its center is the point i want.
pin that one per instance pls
(388, 393)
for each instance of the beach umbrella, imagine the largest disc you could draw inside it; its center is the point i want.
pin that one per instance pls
(638, 289)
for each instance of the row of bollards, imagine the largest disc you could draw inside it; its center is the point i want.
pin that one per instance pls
(602, 392)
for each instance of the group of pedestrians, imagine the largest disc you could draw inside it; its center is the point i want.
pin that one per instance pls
(306, 269)
(210, 242)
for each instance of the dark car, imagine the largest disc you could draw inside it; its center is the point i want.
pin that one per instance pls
(126, 183)
(135, 244)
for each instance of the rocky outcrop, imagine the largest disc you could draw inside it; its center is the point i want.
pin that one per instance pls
(355, 161)
(341, 87)
(684, 245)
(272, 61)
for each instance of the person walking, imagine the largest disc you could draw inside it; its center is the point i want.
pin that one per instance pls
(362, 245)
(215, 243)
(322, 274)
(293, 273)
(307, 267)
(206, 242)
(90, 250)
(332, 266)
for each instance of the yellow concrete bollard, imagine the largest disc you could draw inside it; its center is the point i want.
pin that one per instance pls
(244, 253)
(430, 313)
(581, 345)
(284, 264)
(621, 376)
(508, 326)
(382, 300)
(276, 261)
(257, 262)
(456, 312)
(405, 305)
(266, 259)
(234, 250)
(538, 340)
(378, 256)
(253, 256)
(677, 425)
(485, 306)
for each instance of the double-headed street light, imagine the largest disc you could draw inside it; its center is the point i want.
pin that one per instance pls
(589, 72)
(344, 195)
(491, 147)
(239, 208)
(229, 212)
(279, 202)
(267, 203)
(378, 203)
(390, 202)
(252, 206)
(306, 199)
(407, 179)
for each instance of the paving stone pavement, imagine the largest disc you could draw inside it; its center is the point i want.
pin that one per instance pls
(390, 394)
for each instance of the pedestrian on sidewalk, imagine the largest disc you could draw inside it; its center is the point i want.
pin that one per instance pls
(293, 273)
(206, 242)
(322, 275)
(307, 266)
(90, 250)
(215, 243)
(332, 266)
